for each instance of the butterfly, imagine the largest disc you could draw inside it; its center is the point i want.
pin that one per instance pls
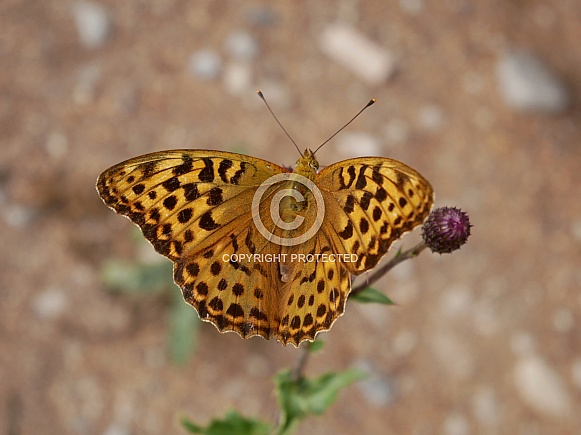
(261, 249)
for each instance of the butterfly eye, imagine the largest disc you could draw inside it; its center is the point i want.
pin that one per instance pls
(314, 165)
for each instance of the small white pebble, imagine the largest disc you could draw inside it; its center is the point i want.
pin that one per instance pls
(397, 131)
(93, 23)
(238, 78)
(456, 302)
(242, 45)
(86, 84)
(528, 85)
(431, 117)
(57, 145)
(17, 216)
(456, 424)
(50, 304)
(358, 144)
(205, 64)
(485, 406)
(354, 51)
(541, 387)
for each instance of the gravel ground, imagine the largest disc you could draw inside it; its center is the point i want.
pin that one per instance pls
(481, 97)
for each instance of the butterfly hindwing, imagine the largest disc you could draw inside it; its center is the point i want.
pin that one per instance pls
(227, 288)
(316, 294)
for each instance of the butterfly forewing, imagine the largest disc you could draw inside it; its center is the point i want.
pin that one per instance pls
(182, 198)
(372, 202)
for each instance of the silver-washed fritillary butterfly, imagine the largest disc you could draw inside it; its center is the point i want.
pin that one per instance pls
(196, 208)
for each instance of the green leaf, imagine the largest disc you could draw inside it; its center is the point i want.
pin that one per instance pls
(315, 346)
(371, 295)
(183, 330)
(232, 424)
(303, 397)
(137, 278)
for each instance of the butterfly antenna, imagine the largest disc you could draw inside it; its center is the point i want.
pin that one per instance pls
(371, 102)
(278, 122)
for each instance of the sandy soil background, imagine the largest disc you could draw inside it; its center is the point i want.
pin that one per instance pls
(484, 341)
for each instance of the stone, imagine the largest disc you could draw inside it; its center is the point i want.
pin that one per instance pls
(357, 144)
(205, 64)
(527, 84)
(242, 45)
(93, 23)
(540, 387)
(354, 51)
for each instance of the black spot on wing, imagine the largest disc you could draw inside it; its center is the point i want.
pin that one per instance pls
(154, 214)
(376, 175)
(238, 174)
(347, 232)
(223, 169)
(365, 200)
(222, 285)
(258, 293)
(185, 167)
(185, 215)
(381, 194)
(207, 174)
(361, 181)
(148, 168)
(363, 225)
(202, 288)
(171, 184)
(191, 191)
(170, 202)
(238, 289)
(207, 222)
(215, 197)
(301, 301)
(349, 203)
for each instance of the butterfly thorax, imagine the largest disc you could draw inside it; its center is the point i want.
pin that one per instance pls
(307, 165)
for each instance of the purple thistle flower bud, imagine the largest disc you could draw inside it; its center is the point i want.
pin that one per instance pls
(446, 229)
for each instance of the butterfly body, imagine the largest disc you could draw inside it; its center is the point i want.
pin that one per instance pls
(199, 209)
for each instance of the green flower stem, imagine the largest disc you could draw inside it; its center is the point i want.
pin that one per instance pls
(398, 258)
(299, 368)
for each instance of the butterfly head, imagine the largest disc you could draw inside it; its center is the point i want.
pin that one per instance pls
(307, 165)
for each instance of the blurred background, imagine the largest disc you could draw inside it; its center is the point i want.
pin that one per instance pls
(481, 97)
